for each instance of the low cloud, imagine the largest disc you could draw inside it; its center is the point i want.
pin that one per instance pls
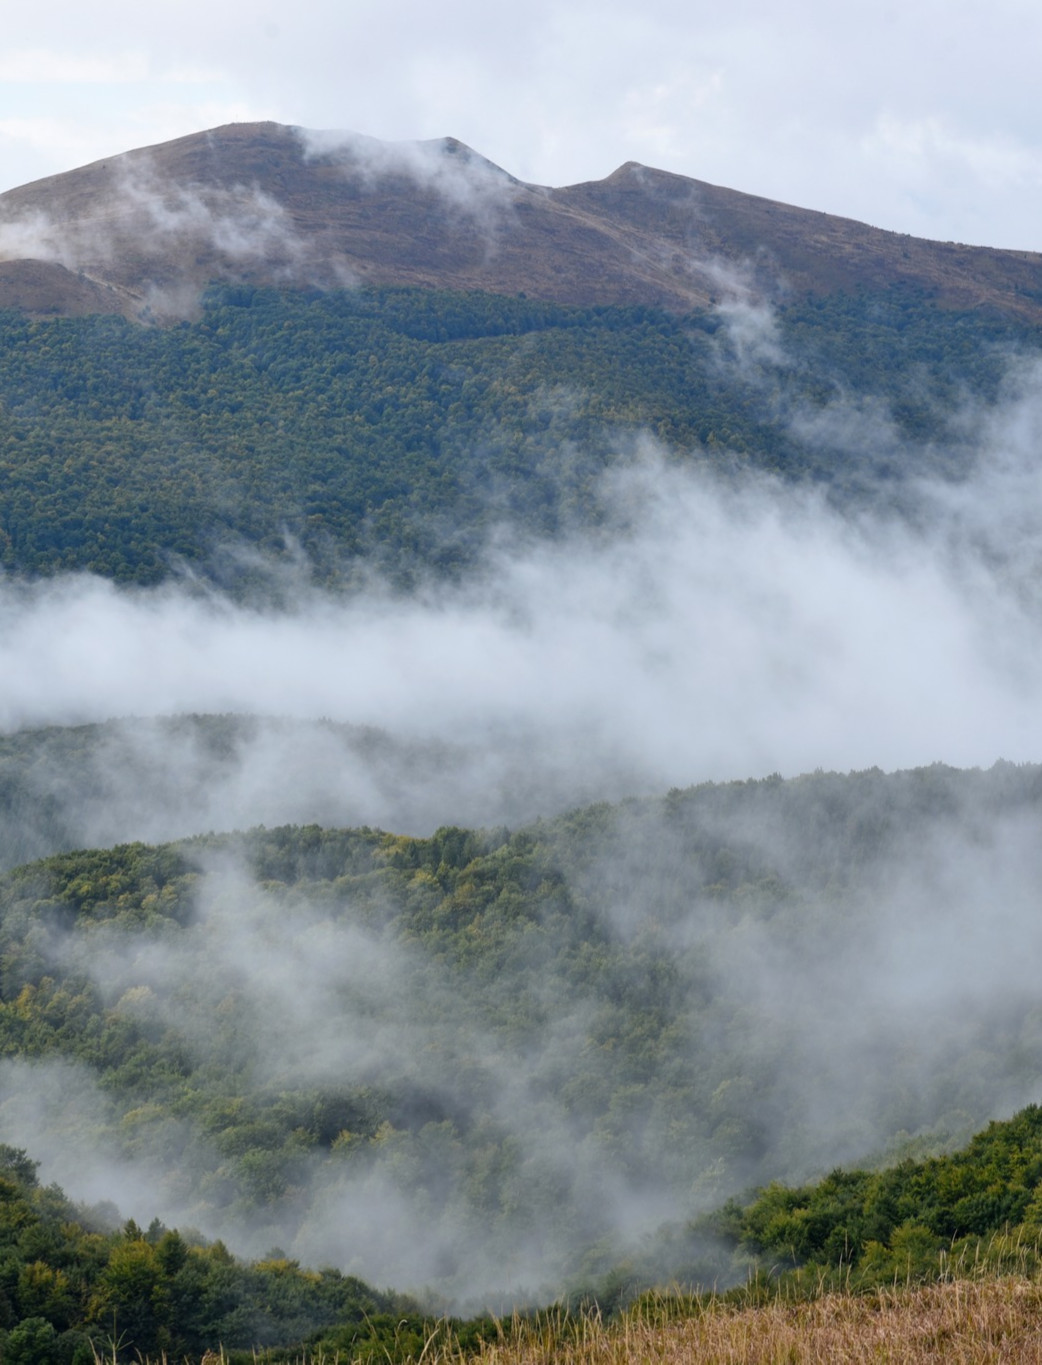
(242, 223)
(466, 183)
(871, 982)
(728, 631)
(296, 996)
(198, 231)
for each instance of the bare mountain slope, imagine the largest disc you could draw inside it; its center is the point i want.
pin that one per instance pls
(141, 233)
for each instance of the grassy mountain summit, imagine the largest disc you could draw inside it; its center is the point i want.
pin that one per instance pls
(264, 203)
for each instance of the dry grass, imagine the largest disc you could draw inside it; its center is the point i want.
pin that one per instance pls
(960, 1322)
(956, 1322)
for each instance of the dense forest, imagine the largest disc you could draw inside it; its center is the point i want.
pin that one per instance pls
(399, 428)
(916, 1219)
(76, 1286)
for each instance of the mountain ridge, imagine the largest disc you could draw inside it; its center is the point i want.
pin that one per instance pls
(263, 203)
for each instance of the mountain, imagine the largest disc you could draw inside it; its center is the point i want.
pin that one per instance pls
(392, 352)
(139, 234)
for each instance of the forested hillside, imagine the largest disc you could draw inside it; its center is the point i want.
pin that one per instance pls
(77, 1287)
(533, 1045)
(398, 430)
(951, 1214)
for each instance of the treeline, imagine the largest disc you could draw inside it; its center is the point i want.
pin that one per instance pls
(75, 1289)
(398, 427)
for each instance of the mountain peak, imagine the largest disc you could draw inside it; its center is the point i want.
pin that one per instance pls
(142, 233)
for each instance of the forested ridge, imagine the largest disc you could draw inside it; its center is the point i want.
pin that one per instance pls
(943, 1215)
(398, 427)
(278, 1024)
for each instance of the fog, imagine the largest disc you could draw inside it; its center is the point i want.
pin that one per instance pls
(311, 999)
(714, 631)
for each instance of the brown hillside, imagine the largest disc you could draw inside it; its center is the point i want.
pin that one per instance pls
(141, 233)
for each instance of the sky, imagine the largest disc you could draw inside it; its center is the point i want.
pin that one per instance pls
(921, 117)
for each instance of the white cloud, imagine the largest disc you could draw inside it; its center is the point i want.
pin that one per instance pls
(996, 160)
(40, 65)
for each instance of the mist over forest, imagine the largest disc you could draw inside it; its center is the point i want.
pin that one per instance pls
(535, 1045)
(487, 780)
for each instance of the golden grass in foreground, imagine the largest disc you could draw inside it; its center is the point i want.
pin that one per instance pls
(959, 1321)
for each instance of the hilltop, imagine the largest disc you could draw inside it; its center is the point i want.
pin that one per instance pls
(141, 233)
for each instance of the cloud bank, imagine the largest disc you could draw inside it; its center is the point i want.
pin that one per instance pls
(725, 633)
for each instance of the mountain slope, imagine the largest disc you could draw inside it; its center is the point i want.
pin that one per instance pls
(402, 430)
(140, 233)
(916, 1220)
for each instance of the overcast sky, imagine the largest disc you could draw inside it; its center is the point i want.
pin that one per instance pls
(922, 116)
